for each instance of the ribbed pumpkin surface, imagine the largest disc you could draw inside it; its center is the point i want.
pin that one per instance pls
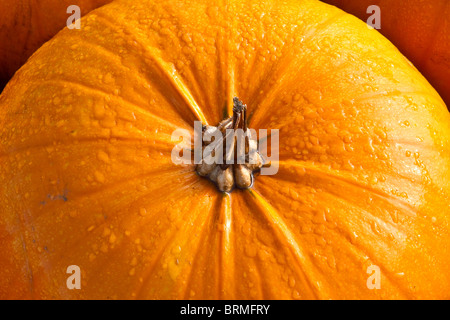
(86, 176)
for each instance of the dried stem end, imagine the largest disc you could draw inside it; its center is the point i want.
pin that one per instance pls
(228, 176)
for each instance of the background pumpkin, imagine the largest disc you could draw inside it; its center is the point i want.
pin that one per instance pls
(87, 178)
(26, 24)
(419, 29)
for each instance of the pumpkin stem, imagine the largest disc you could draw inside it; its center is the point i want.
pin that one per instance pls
(230, 174)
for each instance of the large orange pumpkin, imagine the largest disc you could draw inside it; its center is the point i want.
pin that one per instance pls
(26, 24)
(419, 28)
(86, 175)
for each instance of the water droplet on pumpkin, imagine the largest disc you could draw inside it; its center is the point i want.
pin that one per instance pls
(56, 101)
(376, 228)
(112, 238)
(176, 250)
(108, 79)
(99, 177)
(106, 232)
(72, 214)
(103, 156)
(405, 123)
(291, 281)
(246, 228)
(108, 122)
(263, 255)
(99, 111)
(104, 248)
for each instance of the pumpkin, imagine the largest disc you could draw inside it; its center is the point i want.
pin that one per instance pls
(419, 29)
(87, 179)
(25, 25)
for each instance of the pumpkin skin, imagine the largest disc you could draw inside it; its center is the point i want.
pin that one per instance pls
(419, 29)
(26, 24)
(87, 177)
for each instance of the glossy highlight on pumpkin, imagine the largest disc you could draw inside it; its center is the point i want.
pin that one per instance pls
(86, 176)
(419, 29)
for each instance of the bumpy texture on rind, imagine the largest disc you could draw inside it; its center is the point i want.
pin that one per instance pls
(86, 176)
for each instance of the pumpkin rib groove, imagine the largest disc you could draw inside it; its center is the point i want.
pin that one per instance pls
(322, 26)
(230, 60)
(243, 203)
(106, 222)
(120, 184)
(101, 49)
(192, 74)
(270, 96)
(62, 144)
(87, 195)
(159, 68)
(295, 74)
(183, 93)
(205, 235)
(406, 210)
(25, 255)
(230, 84)
(290, 244)
(28, 265)
(358, 251)
(386, 197)
(339, 198)
(353, 186)
(207, 112)
(135, 106)
(151, 219)
(389, 225)
(189, 99)
(226, 276)
(345, 234)
(339, 178)
(173, 82)
(257, 279)
(163, 248)
(202, 239)
(262, 267)
(202, 100)
(84, 140)
(379, 95)
(405, 293)
(418, 29)
(260, 100)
